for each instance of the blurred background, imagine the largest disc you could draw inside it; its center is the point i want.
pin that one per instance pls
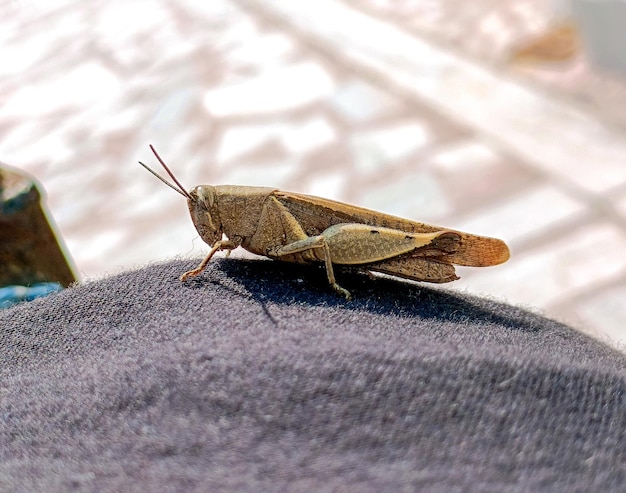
(502, 118)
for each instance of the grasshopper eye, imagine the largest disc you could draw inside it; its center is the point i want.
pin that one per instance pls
(205, 195)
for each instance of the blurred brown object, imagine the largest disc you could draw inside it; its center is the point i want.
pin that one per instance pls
(29, 250)
(560, 43)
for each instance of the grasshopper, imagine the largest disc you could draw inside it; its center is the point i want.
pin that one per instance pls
(299, 228)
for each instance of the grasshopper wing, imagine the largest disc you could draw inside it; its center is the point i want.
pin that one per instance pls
(315, 214)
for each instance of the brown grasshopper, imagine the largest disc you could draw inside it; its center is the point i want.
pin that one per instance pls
(300, 228)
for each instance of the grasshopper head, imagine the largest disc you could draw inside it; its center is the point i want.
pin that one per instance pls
(205, 213)
(202, 205)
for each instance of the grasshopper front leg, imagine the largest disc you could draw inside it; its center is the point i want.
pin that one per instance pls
(227, 245)
(358, 244)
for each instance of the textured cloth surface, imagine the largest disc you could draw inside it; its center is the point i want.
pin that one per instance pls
(256, 376)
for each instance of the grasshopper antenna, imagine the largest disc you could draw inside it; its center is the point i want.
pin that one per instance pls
(180, 189)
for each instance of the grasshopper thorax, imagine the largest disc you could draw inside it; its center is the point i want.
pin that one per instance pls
(204, 210)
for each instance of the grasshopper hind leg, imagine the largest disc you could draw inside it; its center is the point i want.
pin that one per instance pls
(361, 244)
(315, 243)
(331, 273)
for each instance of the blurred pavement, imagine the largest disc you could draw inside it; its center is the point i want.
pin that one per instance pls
(409, 110)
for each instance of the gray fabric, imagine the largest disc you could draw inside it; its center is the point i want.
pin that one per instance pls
(256, 376)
